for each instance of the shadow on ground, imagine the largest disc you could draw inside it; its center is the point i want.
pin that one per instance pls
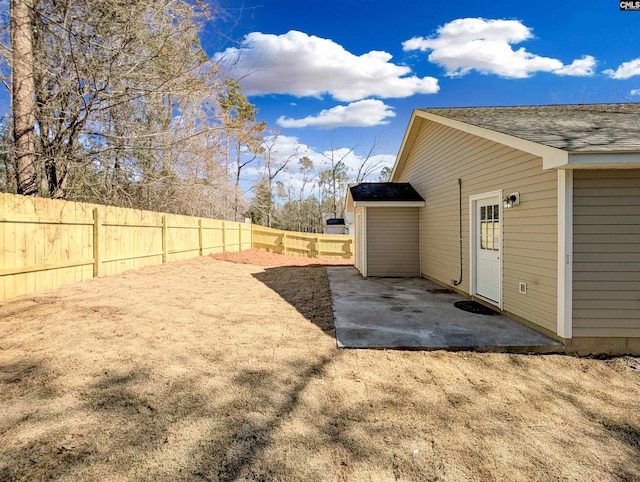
(306, 288)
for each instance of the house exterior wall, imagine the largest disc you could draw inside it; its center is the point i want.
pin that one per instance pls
(606, 253)
(440, 156)
(392, 241)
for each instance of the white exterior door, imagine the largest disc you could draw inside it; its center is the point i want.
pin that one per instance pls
(487, 245)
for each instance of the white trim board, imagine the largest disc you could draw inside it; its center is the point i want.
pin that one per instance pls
(565, 254)
(389, 204)
(365, 235)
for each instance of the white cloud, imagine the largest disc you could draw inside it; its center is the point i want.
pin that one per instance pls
(305, 65)
(635, 92)
(295, 179)
(284, 147)
(625, 70)
(352, 161)
(375, 165)
(580, 67)
(363, 113)
(468, 44)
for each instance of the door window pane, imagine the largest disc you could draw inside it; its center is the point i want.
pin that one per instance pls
(490, 227)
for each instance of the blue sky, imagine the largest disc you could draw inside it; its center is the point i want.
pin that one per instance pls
(343, 73)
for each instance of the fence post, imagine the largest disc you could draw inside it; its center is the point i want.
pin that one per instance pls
(239, 237)
(284, 243)
(317, 240)
(96, 243)
(200, 236)
(164, 239)
(224, 236)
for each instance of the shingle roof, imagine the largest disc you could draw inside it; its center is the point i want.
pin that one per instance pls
(384, 192)
(335, 221)
(573, 128)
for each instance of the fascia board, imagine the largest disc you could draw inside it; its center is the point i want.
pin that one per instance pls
(390, 204)
(349, 205)
(407, 143)
(604, 160)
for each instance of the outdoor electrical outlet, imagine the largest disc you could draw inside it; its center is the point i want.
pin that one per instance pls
(522, 288)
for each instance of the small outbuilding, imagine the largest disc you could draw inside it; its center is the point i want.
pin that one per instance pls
(335, 226)
(386, 228)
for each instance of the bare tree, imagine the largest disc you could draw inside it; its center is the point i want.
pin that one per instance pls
(7, 165)
(368, 165)
(274, 164)
(121, 92)
(243, 134)
(306, 169)
(336, 175)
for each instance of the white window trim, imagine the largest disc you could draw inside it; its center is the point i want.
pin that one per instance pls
(473, 242)
(565, 254)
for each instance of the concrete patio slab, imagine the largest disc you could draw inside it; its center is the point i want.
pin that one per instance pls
(414, 313)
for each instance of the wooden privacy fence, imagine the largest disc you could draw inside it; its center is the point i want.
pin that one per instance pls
(47, 243)
(303, 244)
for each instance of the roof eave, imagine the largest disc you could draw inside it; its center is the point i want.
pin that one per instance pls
(603, 160)
(348, 201)
(407, 143)
(389, 204)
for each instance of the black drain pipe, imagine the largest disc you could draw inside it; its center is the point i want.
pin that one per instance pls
(459, 280)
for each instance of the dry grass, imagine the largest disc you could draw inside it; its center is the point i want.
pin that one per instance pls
(208, 370)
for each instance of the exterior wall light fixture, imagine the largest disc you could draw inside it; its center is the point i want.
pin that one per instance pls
(511, 200)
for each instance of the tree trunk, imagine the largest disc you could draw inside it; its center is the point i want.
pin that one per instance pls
(23, 96)
(57, 175)
(236, 199)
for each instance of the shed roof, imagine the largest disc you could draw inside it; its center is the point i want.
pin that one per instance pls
(580, 128)
(385, 192)
(335, 222)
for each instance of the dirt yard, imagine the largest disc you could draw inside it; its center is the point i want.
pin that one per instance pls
(208, 370)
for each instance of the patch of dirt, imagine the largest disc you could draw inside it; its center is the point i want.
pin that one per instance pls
(218, 371)
(260, 257)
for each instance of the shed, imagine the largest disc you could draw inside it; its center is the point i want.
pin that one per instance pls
(386, 228)
(534, 210)
(335, 226)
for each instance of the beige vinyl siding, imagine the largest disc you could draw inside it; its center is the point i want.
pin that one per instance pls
(440, 156)
(606, 259)
(392, 241)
